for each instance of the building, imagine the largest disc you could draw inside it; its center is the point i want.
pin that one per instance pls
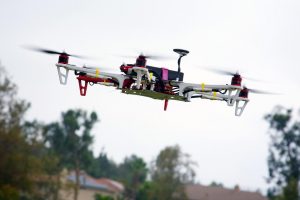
(90, 186)
(200, 192)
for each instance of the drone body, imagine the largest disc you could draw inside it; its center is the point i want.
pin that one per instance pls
(154, 82)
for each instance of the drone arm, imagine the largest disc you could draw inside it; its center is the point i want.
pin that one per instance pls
(212, 95)
(90, 72)
(240, 101)
(202, 87)
(212, 92)
(239, 106)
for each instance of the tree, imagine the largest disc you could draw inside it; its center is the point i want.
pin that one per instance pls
(70, 140)
(284, 151)
(171, 170)
(49, 183)
(133, 173)
(12, 109)
(13, 177)
(216, 184)
(102, 166)
(22, 159)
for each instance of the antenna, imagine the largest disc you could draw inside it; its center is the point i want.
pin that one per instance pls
(181, 53)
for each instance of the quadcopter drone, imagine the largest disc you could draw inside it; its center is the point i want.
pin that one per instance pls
(154, 82)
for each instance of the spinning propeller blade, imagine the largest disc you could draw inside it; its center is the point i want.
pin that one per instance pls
(48, 51)
(255, 91)
(229, 73)
(148, 56)
(157, 57)
(219, 71)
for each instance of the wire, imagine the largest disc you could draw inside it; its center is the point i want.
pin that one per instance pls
(223, 92)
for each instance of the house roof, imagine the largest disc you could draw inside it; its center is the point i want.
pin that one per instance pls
(87, 181)
(111, 184)
(200, 192)
(105, 184)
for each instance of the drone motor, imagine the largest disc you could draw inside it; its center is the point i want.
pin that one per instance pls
(63, 58)
(141, 61)
(236, 80)
(244, 93)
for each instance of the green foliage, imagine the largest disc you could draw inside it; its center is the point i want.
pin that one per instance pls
(171, 170)
(290, 191)
(12, 109)
(23, 159)
(102, 166)
(147, 191)
(70, 139)
(8, 192)
(132, 172)
(284, 151)
(103, 197)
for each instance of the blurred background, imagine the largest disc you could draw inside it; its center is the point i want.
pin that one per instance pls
(64, 144)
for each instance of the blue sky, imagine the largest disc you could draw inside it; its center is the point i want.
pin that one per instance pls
(258, 38)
